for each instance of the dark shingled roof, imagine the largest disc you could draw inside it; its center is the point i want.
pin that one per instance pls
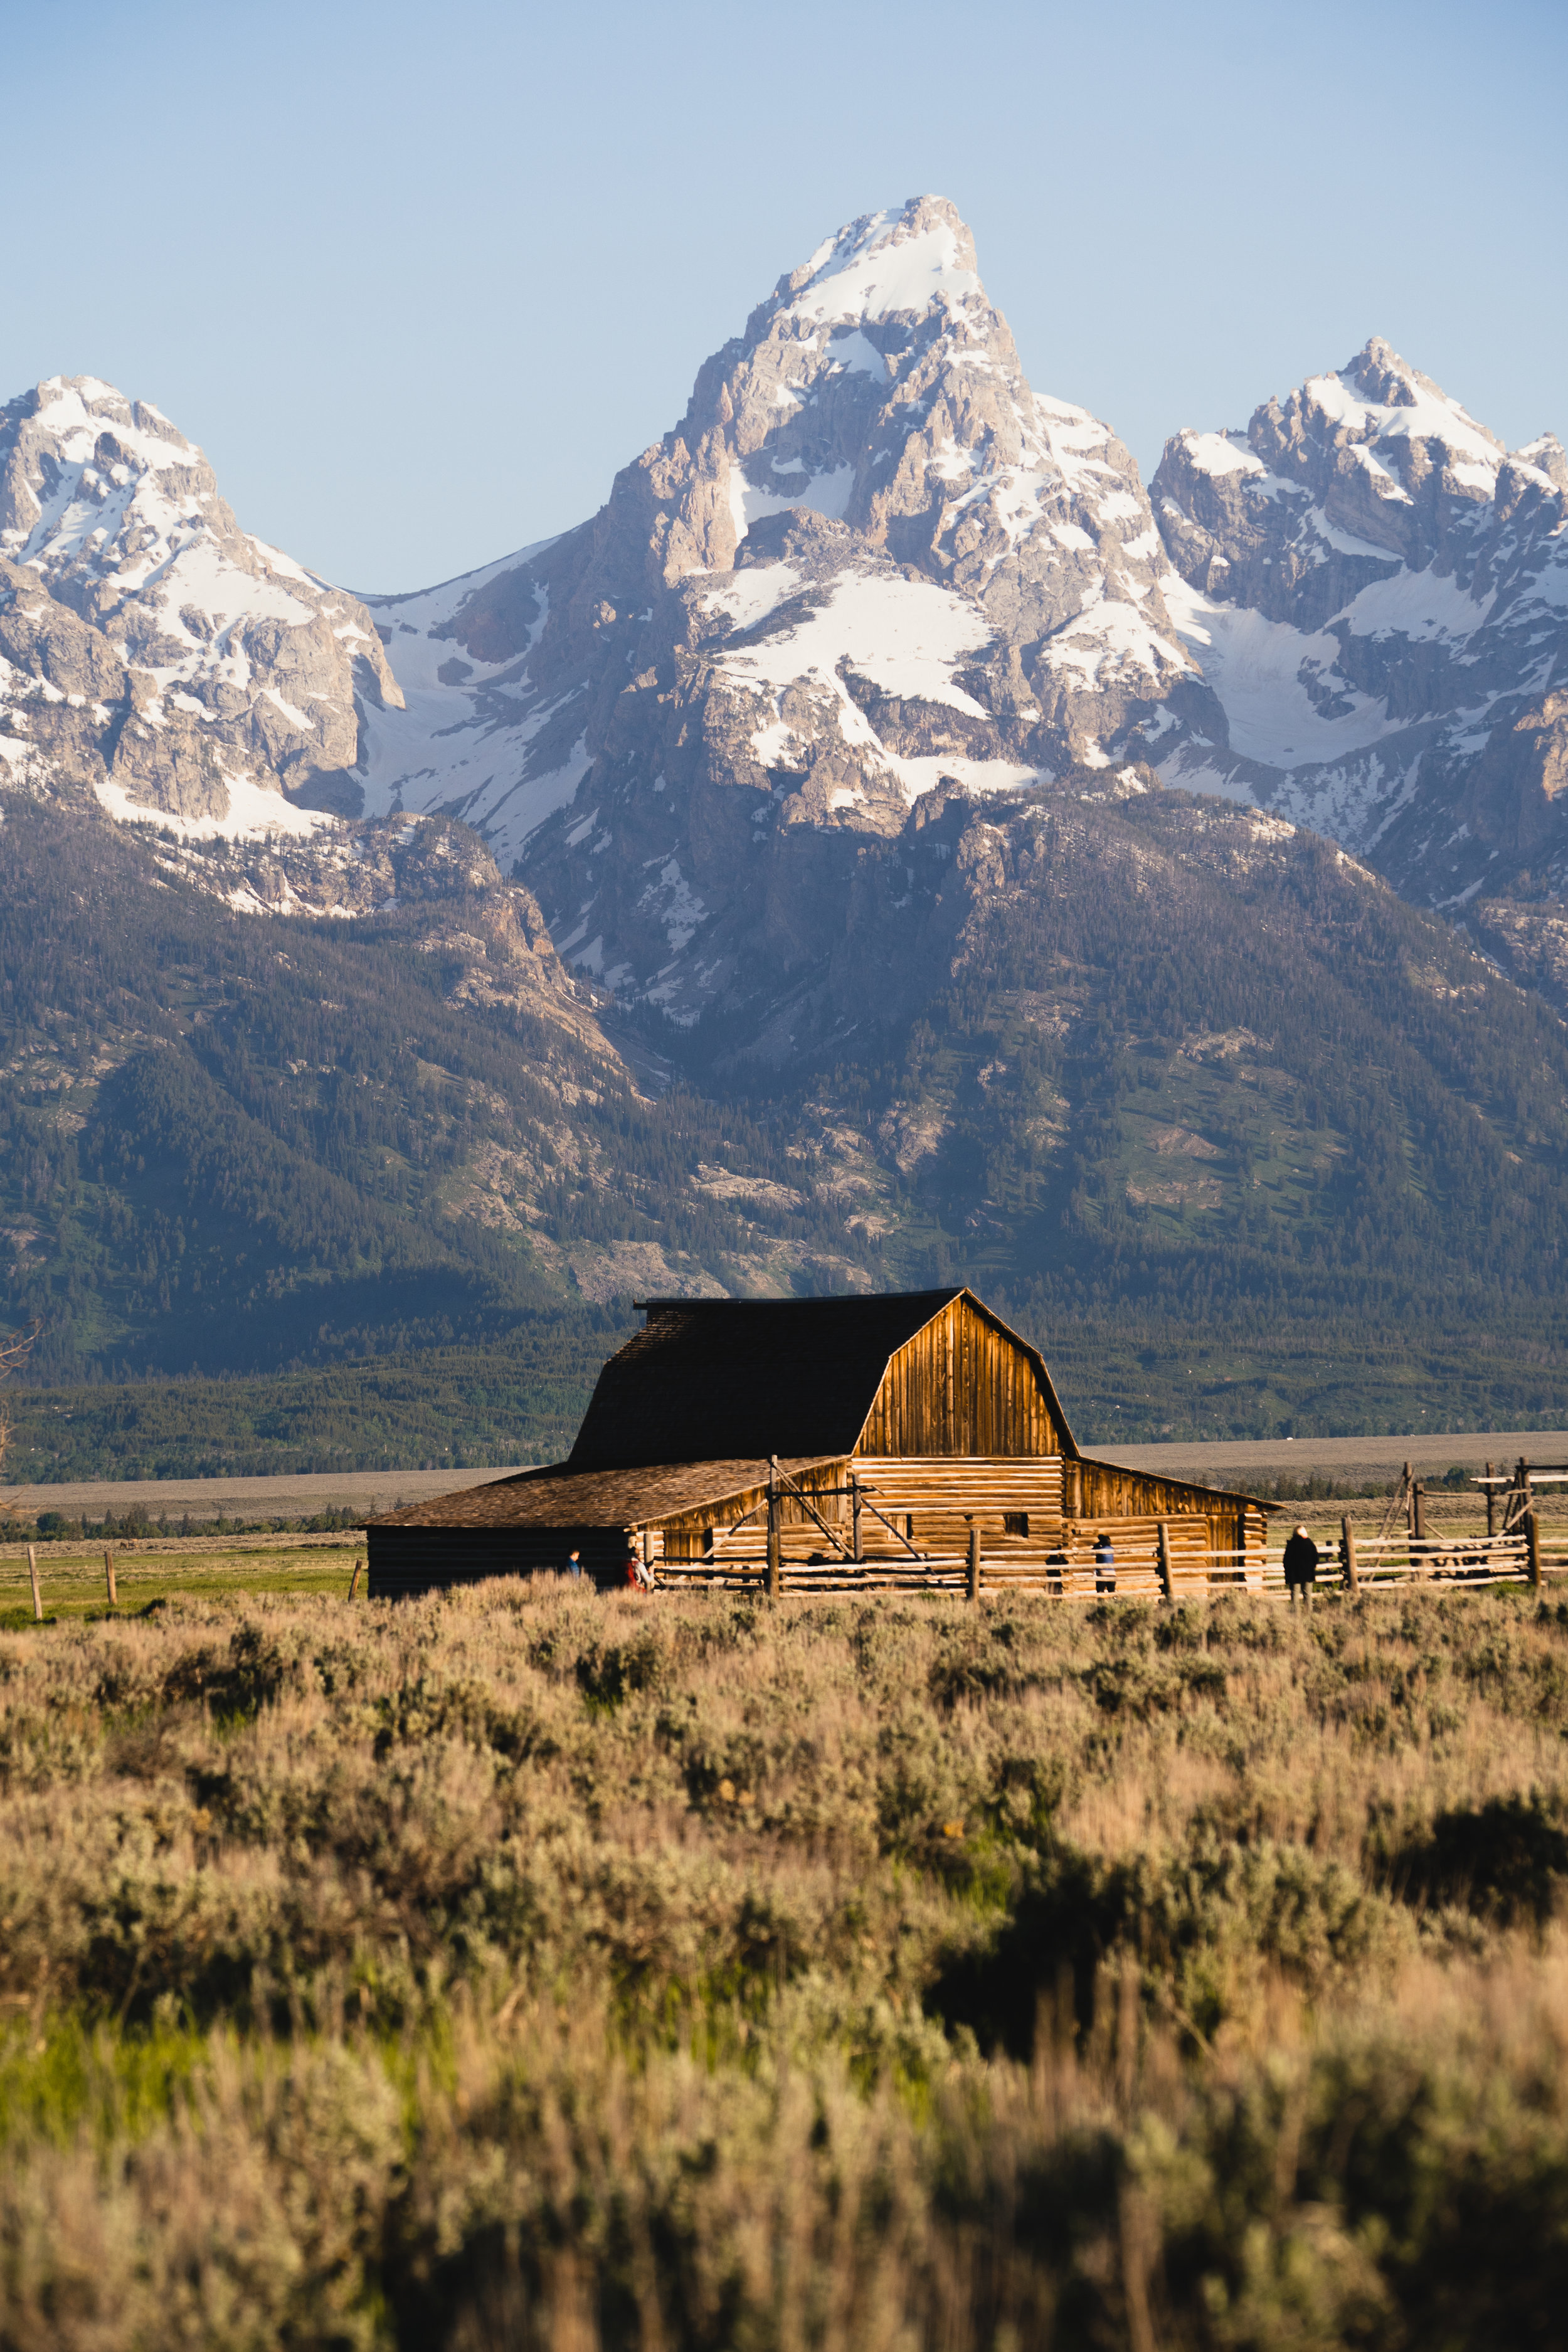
(559, 1497)
(723, 1378)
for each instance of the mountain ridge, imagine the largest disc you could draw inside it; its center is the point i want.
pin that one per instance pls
(924, 571)
(861, 928)
(1379, 592)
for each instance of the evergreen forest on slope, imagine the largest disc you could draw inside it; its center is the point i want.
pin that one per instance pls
(1243, 1141)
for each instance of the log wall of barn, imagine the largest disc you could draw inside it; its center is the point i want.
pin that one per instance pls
(960, 1386)
(1100, 1490)
(1021, 1505)
(933, 1502)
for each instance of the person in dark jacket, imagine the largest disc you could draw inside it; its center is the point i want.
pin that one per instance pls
(1104, 1563)
(1300, 1568)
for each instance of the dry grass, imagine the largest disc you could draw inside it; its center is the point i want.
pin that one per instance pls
(526, 1967)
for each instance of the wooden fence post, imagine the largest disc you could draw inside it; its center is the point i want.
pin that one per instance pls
(1532, 1547)
(859, 1541)
(775, 1548)
(974, 1561)
(1353, 1581)
(1491, 1504)
(354, 1580)
(108, 1578)
(1167, 1587)
(33, 1572)
(1418, 1512)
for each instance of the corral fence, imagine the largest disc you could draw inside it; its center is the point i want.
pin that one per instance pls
(1163, 1569)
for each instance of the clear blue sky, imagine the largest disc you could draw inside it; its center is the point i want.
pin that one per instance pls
(419, 279)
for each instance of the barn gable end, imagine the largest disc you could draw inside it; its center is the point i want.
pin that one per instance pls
(964, 1384)
(730, 1377)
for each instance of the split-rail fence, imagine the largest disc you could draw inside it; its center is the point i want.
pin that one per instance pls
(1154, 1560)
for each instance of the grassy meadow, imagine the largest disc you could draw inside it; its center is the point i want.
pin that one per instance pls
(73, 1584)
(532, 1968)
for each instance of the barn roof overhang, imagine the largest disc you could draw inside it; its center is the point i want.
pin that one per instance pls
(559, 1497)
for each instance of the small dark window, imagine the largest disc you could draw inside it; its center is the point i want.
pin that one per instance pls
(1016, 1523)
(909, 1527)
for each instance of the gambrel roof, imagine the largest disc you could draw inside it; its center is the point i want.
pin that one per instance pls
(734, 1379)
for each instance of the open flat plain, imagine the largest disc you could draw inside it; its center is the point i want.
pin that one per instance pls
(300, 1497)
(1374, 1459)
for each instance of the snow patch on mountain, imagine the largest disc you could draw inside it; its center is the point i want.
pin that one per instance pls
(883, 264)
(255, 811)
(1375, 592)
(1259, 668)
(476, 736)
(826, 493)
(906, 636)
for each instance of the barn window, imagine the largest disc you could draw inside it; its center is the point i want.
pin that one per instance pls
(909, 1527)
(1016, 1523)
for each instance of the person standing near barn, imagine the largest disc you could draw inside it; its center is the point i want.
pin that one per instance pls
(1104, 1563)
(1300, 1567)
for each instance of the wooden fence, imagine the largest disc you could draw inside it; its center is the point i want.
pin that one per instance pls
(1156, 1568)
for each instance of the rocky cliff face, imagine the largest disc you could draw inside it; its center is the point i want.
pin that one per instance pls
(869, 568)
(868, 560)
(149, 648)
(1377, 591)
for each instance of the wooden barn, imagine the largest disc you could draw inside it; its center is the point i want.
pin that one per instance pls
(831, 1442)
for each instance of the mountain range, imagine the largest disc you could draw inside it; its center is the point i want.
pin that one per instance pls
(886, 839)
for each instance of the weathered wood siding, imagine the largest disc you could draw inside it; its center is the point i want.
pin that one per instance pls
(960, 1386)
(935, 1501)
(1100, 1490)
(741, 1523)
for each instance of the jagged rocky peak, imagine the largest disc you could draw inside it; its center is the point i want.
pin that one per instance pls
(1377, 452)
(1385, 447)
(869, 555)
(877, 384)
(1545, 455)
(199, 668)
(1413, 573)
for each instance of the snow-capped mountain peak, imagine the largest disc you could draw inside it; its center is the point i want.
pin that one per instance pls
(1377, 591)
(886, 264)
(869, 564)
(204, 675)
(1547, 457)
(869, 557)
(1381, 417)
